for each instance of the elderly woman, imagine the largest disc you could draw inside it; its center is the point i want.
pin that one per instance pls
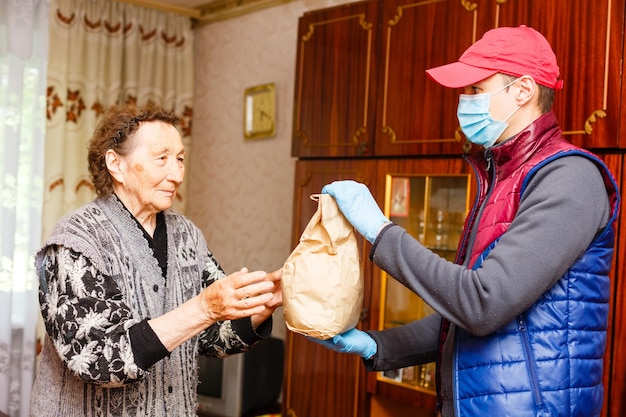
(129, 291)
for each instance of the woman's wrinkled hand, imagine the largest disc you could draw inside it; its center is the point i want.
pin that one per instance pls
(277, 292)
(239, 295)
(276, 301)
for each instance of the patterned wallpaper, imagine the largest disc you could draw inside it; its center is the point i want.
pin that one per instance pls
(240, 192)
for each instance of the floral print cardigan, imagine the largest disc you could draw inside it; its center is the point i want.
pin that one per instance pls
(99, 281)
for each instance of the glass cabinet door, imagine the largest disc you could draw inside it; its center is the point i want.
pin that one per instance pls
(432, 209)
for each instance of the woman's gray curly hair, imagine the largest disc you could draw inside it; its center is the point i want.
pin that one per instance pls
(114, 130)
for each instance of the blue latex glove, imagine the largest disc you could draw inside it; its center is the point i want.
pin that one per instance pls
(351, 341)
(358, 206)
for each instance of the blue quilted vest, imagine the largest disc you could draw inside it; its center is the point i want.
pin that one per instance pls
(547, 362)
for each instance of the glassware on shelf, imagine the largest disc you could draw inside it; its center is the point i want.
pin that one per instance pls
(421, 226)
(427, 375)
(440, 231)
(410, 375)
(432, 209)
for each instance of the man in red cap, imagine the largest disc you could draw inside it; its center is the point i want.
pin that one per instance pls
(520, 318)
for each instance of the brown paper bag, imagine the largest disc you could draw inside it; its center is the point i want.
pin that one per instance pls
(322, 282)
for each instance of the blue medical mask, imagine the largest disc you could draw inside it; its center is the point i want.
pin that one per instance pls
(476, 121)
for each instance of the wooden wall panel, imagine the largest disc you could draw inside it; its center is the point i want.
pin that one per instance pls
(615, 357)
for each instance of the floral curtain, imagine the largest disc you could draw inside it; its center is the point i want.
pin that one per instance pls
(23, 53)
(104, 52)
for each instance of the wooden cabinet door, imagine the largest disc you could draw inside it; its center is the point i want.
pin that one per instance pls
(335, 81)
(318, 381)
(587, 38)
(415, 114)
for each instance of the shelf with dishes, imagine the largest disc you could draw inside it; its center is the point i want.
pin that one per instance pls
(432, 209)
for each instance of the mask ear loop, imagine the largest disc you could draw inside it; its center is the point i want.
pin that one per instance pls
(508, 85)
(512, 113)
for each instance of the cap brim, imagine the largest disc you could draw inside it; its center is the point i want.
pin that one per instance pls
(458, 74)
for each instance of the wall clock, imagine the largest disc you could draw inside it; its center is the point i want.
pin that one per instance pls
(259, 111)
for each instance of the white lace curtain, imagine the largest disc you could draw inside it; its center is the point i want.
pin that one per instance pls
(23, 53)
(101, 53)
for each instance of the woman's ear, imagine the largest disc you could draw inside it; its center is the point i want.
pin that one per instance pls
(114, 165)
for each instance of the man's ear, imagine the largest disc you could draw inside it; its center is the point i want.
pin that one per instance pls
(527, 89)
(114, 165)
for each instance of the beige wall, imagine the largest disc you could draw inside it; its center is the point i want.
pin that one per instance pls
(240, 191)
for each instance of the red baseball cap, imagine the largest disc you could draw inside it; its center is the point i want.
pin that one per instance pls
(513, 51)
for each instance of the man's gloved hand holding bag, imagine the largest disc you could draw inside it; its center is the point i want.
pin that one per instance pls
(322, 283)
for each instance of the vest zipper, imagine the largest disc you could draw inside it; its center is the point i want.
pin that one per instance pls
(488, 157)
(491, 177)
(530, 364)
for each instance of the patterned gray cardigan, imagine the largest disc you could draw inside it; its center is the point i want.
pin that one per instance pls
(99, 277)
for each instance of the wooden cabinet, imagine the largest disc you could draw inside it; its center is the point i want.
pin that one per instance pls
(415, 115)
(361, 86)
(336, 81)
(319, 382)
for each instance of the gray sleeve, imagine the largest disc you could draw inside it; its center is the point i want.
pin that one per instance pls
(411, 344)
(563, 207)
